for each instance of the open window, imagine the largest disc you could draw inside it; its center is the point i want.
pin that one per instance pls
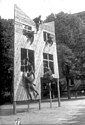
(48, 62)
(24, 54)
(48, 38)
(27, 31)
(27, 27)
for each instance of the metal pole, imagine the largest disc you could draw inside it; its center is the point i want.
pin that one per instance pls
(28, 101)
(14, 107)
(50, 95)
(40, 103)
(58, 73)
(28, 88)
(58, 92)
(40, 98)
(14, 96)
(28, 105)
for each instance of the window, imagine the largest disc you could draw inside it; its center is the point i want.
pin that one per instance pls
(24, 54)
(27, 31)
(48, 62)
(45, 36)
(26, 27)
(48, 38)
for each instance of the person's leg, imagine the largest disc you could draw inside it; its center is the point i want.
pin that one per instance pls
(30, 95)
(28, 92)
(34, 91)
(34, 94)
(37, 26)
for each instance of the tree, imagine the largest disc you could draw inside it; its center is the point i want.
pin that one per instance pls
(6, 40)
(50, 18)
(69, 30)
(66, 57)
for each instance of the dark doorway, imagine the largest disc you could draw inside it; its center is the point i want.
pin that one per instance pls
(45, 89)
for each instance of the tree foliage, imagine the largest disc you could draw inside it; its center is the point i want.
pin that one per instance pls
(50, 18)
(6, 40)
(70, 38)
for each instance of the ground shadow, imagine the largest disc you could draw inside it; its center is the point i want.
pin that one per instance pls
(7, 112)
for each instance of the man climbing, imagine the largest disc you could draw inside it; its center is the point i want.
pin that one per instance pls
(48, 74)
(37, 21)
(29, 78)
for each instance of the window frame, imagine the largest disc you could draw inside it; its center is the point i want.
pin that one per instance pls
(27, 55)
(46, 36)
(27, 27)
(48, 61)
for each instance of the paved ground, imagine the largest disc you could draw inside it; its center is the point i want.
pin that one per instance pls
(70, 113)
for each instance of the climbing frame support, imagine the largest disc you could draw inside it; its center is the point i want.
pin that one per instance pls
(58, 92)
(50, 95)
(39, 103)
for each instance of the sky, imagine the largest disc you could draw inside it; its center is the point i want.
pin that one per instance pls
(34, 8)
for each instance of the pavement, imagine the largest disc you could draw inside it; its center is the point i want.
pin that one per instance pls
(71, 112)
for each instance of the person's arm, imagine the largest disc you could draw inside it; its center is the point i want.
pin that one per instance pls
(33, 74)
(32, 71)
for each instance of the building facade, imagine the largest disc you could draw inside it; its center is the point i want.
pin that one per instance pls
(39, 46)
